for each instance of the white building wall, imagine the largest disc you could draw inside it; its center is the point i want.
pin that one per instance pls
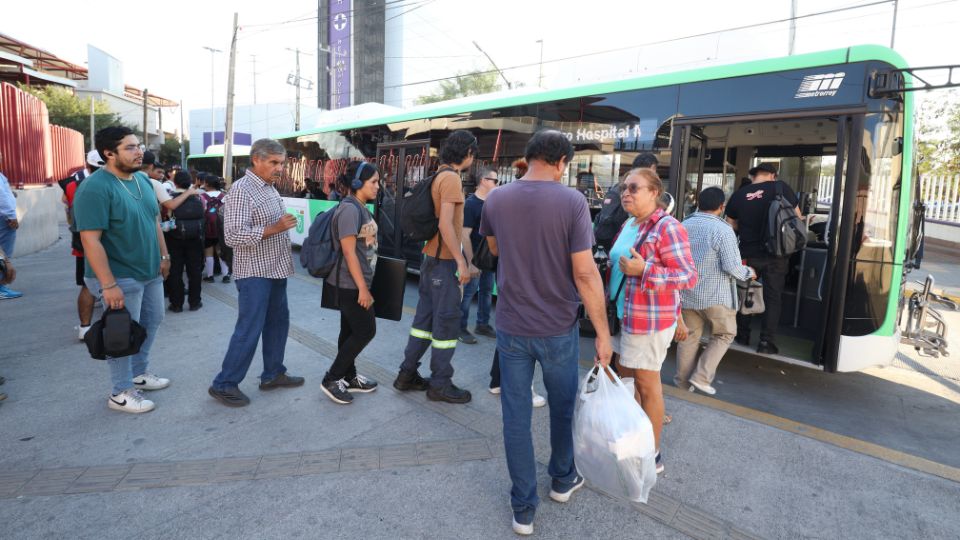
(393, 63)
(260, 121)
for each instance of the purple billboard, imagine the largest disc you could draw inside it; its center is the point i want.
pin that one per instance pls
(341, 15)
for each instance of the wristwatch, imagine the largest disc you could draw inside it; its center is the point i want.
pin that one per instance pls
(164, 257)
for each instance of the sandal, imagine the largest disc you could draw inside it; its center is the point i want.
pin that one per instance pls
(667, 419)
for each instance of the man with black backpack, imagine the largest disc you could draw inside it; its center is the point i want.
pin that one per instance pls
(612, 215)
(185, 243)
(748, 211)
(443, 273)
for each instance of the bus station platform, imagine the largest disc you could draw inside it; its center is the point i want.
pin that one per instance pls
(293, 464)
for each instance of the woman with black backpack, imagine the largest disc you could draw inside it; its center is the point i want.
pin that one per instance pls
(354, 229)
(185, 243)
(213, 229)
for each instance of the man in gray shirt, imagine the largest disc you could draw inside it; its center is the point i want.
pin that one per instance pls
(542, 232)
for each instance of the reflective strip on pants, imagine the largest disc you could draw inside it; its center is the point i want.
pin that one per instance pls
(447, 344)
(422, 334)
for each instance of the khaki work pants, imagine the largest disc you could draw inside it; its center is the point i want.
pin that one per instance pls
(723, 323)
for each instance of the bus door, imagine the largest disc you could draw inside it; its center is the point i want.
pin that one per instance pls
(687, 173)
(401, 166)
(706, 153)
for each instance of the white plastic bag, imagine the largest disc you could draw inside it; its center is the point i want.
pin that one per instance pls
(613, 441)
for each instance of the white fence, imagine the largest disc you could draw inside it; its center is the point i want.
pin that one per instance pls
(941, 194)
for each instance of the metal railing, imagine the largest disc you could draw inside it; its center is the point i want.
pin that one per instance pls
(941, 194)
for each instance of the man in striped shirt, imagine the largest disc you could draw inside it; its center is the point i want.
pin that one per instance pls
(255, 225)
(713, 300)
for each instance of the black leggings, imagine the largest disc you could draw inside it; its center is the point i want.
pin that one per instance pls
(358, 326)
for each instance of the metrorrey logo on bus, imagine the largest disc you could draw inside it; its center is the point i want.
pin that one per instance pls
(825, 84)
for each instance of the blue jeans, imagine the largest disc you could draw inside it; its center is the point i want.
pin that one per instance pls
(144, 301)
(484, 284)
(558, 356)
(8, 237)
(263, 310)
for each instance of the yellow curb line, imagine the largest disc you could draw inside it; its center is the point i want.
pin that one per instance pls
(842, 441)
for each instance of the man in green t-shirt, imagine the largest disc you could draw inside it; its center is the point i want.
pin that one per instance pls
(126, 257)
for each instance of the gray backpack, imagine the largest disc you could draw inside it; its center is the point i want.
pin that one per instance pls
(786, 231)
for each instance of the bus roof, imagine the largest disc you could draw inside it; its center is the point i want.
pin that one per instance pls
(859, 53)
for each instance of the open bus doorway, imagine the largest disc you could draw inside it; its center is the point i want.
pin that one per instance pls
(804, 150)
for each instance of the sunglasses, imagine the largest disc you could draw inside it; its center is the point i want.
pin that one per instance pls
(488, 178)
(634, 188)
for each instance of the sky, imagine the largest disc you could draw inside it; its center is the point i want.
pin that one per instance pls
(161, 47)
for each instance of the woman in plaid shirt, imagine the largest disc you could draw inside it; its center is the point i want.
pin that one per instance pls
(649, 306)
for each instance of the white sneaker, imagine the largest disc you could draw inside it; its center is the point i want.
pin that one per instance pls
(150, 382)
(495, 390)
(538, 400)
(131, 401)
(705, 388)
(82, 331)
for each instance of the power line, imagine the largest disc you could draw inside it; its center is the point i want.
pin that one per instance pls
(659, 42)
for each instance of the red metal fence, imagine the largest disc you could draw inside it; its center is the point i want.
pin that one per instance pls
(34, 152)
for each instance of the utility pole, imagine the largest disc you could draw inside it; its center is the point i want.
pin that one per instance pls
(793, 27)
(93, 124)
(213, 117)
(145, 94)
(254, 78)
(540, 78)
(295, 80)
(228, 131)
(477, 45)
(893, 30)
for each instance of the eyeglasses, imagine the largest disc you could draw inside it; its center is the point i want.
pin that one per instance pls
(490, 179)
(135, 148)
(634, 188)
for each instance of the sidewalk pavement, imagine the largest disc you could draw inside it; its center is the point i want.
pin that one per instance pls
(391, 465)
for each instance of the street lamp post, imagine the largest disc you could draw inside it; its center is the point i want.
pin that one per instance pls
(540, 77)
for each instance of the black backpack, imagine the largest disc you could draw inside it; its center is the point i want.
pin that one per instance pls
(190, 219)
(609, 220)
(320, 250)
(786, 232)
(418, 220)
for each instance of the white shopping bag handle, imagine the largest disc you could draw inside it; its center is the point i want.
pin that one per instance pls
(600, 372)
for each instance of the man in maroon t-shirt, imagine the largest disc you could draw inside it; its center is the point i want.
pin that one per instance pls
(542, 232)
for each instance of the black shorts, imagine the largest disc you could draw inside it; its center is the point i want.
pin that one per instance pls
(80, 272)
(210, 242)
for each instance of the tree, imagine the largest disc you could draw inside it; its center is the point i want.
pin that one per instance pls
(464, 84)
(67, 110)
(170, 150)
(938, 136)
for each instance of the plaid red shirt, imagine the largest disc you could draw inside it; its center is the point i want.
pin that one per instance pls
(652, 301)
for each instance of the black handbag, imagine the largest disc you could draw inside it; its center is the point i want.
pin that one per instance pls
(484, 259)
(115, 335)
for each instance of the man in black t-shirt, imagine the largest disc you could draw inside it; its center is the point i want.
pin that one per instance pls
(747, 212)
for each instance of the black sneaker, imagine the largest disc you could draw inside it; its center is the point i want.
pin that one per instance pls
(449, 393)
(231, 397)
(466, 337)
(281, 381)
(226, 278)
(523, 522)
(406, 382)
(208, 279)
(337, 391)
(361, 384)
(659, 463)
(742, 339)
(196, 307)
(767, 347)
(485, 330)
(176, 309)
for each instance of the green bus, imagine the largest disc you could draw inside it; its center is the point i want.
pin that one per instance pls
(838, 124)
(211, 161)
